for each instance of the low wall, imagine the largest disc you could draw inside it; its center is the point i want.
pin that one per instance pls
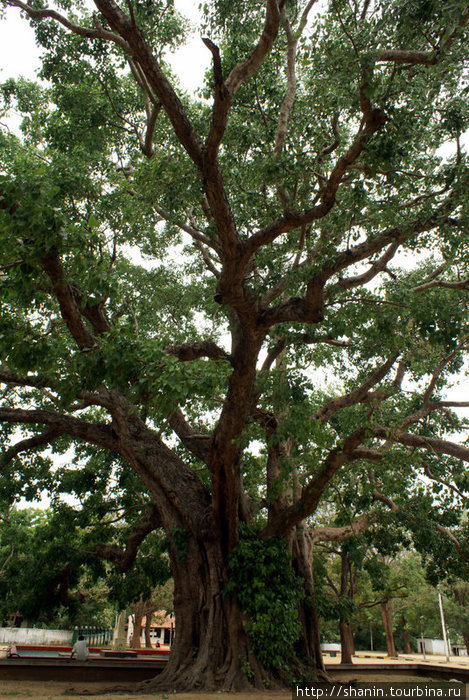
(30, 635)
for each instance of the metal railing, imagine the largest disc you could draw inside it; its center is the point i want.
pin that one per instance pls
(94, 636)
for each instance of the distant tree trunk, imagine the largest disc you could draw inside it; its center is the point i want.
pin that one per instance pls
(346, 590)
(461, 593)
(138, 611)
(148, 621)
(346, 642)
(386, 612)
(352, 639)
(407, 646)
(135, 642)
(465, 636)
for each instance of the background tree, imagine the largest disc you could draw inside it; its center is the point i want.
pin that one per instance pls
(50, 578)
(273, 216)
(456, 611)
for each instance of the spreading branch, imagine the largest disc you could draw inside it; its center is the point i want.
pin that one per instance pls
(89, 33)
(338, 534)
(312, 492)
(197, 443)
(461, 284)
(94, 433)
(41, 440)
(358, 395)
(124, 558)
(424, 58)
(158, 82)
(194, 351)
(427, 443)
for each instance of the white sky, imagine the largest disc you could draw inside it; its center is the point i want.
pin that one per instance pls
(19, 54)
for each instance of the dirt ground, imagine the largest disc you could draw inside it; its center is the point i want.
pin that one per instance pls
(29, 690)
(50, 690)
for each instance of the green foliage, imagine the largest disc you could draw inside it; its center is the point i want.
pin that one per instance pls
(50, 576)
(124, 216)
(269, 591)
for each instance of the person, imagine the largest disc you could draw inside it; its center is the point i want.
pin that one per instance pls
(80, 649)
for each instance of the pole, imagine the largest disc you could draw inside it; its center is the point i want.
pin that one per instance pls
(443, 625)
(371, 637)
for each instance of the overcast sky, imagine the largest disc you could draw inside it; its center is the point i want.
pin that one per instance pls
(19, 54)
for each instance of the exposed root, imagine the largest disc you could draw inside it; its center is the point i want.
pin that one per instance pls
(324, 676)
(129, 689)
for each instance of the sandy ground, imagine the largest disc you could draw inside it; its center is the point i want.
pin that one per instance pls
(44, 691)
(379, 657)
(51, 690)
(47, 690)
(22, 690)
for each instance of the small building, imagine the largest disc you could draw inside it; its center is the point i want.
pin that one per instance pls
(458, 650)
(432, 646)
(161, 629)
(437, 646)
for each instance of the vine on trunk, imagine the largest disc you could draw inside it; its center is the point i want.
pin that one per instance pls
(269, 591)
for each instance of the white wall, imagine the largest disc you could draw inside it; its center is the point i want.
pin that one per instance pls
(432, 646)
(29, 635)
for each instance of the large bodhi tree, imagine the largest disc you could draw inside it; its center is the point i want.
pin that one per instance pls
(243, 296)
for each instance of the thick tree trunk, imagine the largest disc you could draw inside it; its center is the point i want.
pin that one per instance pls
(210, 649)
(386, 612)
(352, 639)
(346, 642)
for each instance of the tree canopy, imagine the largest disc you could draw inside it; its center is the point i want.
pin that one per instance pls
(227, 310)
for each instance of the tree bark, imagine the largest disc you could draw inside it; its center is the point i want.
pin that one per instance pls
(407, 646)
(309, 646)
(465, 636)
(138, 616)
(210, 649)
(386, 612)
(346, 642)
(148, 620)
(346, 589)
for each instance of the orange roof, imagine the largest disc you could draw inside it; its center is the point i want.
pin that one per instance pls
(160, 619)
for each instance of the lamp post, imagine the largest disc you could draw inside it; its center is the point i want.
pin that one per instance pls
(443, 625)
(422, 618)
